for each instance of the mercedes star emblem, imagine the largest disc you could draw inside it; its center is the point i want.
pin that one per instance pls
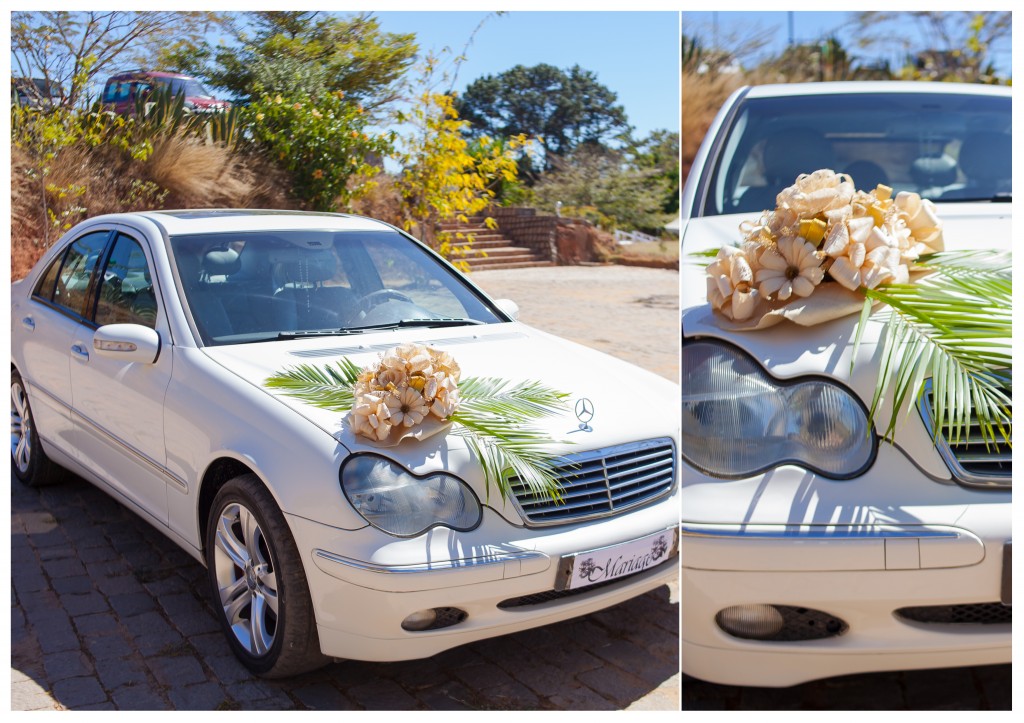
(584, 413)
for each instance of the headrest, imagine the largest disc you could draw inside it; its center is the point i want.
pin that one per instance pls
(985, 156)
(933, 171)
(221, 262)
(866, 174)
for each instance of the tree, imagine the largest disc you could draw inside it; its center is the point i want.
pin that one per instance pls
(321, 141)
(660, 152)
(561, 109)
(69, 49)
(602, 185)
(956, 45)
(294, 53)
(443, 177)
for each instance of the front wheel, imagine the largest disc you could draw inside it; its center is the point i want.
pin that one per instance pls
(258, 583)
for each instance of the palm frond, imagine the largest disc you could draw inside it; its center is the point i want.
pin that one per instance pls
(506, 450)
(955, 327)
(328, 387)
(494, 418)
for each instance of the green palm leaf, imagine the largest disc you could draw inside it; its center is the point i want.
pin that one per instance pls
(953, 326)
(494, 418)
(328, 387)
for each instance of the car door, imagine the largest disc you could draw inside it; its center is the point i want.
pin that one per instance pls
(118, 405)
(47, 323)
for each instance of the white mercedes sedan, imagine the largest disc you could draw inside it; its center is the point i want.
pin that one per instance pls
(813, 543)
(141, 348)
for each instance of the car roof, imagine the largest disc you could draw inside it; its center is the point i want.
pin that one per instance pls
(135, 74)
(226, 220)
(878, 86)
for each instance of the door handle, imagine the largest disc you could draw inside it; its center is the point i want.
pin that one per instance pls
(29, 323)
(80, 352)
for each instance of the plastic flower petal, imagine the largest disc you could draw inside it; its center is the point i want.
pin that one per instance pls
(791, 259)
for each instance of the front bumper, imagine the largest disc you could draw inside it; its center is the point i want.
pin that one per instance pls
(364, 583)
(846, 549)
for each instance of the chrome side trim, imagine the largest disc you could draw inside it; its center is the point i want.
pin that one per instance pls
(817, 532)
(499, 558)
(139, 456)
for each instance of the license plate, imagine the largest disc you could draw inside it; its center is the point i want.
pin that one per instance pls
(608, 563)
(1007, 585)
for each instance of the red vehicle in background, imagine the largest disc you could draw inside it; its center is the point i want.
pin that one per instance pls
(122, 91)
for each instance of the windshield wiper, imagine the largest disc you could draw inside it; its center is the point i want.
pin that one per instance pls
(447, 321)
(316, 332)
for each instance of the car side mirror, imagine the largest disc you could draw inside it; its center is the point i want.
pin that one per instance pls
(127, 342)
(508, 306)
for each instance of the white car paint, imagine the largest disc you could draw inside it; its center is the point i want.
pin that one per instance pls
(901, 534)
(205, 404)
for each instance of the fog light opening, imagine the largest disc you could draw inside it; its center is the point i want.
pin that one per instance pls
(753, 622)
(779, 623)
(433, 619)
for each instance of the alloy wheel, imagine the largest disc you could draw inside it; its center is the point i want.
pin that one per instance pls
(21, 429)
(246, 579)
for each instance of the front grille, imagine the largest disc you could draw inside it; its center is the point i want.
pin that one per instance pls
(971, 460)
(602, 482)
(971, 614)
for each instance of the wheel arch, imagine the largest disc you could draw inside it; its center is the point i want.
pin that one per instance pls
(217, 474)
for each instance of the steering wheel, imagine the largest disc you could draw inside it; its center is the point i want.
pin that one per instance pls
(375, 298)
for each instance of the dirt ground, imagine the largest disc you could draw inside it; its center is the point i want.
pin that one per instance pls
(628, 312)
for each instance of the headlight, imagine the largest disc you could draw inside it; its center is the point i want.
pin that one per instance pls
(400, 503)
(738, 421)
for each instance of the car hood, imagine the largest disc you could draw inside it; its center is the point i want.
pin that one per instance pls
(629, 404)
(788, 350)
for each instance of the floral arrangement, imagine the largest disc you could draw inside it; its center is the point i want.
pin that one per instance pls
(828, 250)
(410, 384)
(415, 391)
(821, 229)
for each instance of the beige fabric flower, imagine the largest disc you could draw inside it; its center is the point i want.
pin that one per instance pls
(407, 407)
(371, 417)
(730, 281)
(792, 266)
(817, 192)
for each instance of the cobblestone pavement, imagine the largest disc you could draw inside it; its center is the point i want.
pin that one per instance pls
(107, 613)
(979, 688)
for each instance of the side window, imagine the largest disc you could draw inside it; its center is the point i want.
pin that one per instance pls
(126, 287)
(44, 289)
(110, 92)
(73, 280)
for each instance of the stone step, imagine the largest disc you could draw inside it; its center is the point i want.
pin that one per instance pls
(488, 244)
(470, 221)
(494, 261)
(496, 252)
(508, 265)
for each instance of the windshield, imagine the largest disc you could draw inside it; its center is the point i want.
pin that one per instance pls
(944, 146)
(256, 286)
(189, 87)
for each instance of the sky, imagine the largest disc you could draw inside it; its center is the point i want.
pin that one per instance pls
(635, 54)
(816, 25)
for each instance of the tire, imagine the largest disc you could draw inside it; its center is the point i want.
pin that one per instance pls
(29, 463)
(258, 583)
